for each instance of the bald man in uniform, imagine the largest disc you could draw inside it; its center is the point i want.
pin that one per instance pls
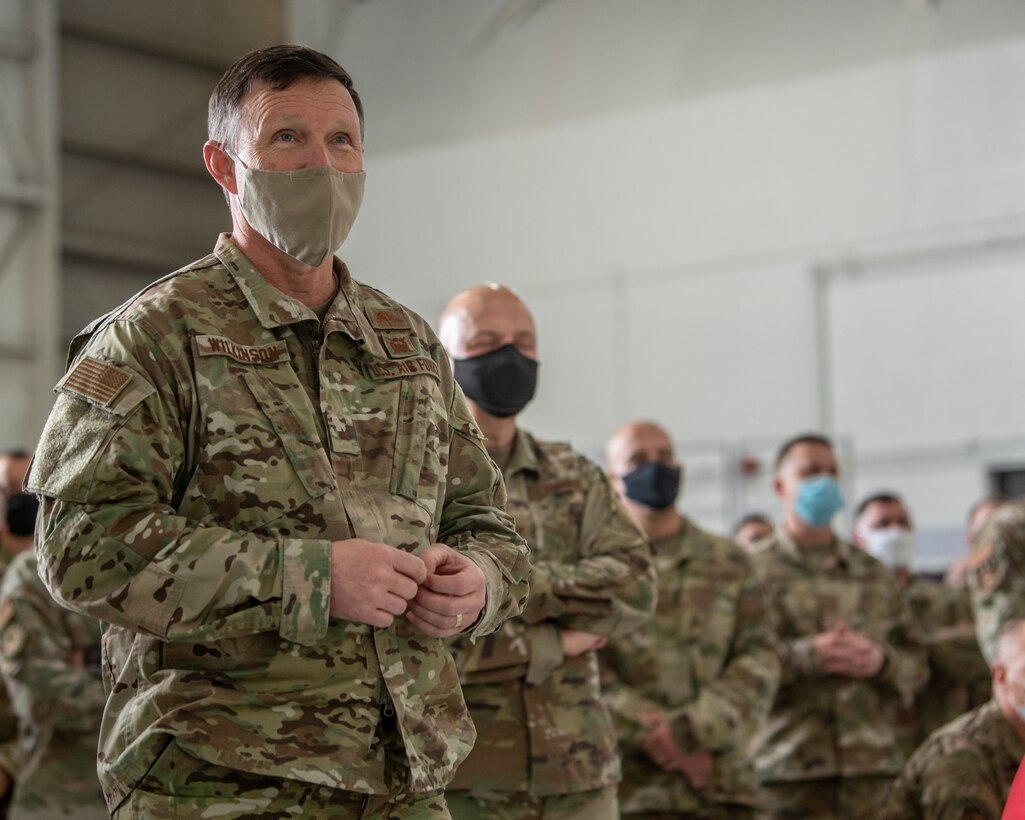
(545, 746)
(692, 688)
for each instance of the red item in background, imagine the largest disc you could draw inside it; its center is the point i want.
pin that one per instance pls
(1015, 806)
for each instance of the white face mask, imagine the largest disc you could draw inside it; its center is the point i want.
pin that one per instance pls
(894, 546)
(306, 213)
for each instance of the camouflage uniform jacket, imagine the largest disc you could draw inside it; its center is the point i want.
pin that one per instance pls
(826, 725)
(996, 575)
(210, 441)
(959, 678)
(708, 660)
(49, 658)
(10, 750)
(963, 771)
(542, 727)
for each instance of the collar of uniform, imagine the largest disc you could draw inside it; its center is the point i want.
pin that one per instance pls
(674, 549)
(835, 554)
(346, 312)
(524, 454)
(272, 307)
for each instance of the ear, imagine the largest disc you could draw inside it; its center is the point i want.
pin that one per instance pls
(777, 486)
(220, 166)
(999, 673)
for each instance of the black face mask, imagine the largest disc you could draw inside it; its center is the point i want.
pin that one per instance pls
(21, 514)
(501, 381)
(653, 484)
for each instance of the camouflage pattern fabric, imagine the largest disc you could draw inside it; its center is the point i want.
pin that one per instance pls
(830, 798)
(180, 785)
(49, 659)
(825, 726)
(959, 678)
(708, 660)
(996, 575)
(542, 727)
(598, 804)
(10, 751)
(963, 771)
(209, 442)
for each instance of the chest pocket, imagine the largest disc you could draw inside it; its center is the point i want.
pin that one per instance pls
(557, 510)
(261, 456)
(421, 433)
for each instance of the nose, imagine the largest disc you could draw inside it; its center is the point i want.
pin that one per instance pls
(317, 156)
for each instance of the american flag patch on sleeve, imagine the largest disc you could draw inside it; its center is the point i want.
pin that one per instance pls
(97, 381)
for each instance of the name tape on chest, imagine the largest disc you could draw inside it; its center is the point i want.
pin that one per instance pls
(403, 367)
(246, 354)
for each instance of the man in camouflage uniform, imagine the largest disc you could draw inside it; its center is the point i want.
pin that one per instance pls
(692, 689)
(50, 662)
(262, 476)
(19, 508)
(996, 575)
(959, 678)
(978, 514)
(546, 746)
(829, 748)
(964, 771)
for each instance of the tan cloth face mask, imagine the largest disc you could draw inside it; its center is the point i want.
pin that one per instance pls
(307, 213)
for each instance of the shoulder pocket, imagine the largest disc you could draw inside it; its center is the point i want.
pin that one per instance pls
(93, 402)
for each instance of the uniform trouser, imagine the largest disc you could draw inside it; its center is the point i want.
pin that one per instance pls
(599, 804)
(830, 798)
(179, 785)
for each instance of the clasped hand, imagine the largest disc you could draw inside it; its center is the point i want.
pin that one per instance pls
(844, 651)
(441, 591)
(661, 747)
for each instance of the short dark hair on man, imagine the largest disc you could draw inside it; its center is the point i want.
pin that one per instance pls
(751, 518)
(278, 67)
(884, 497)
(804, 438)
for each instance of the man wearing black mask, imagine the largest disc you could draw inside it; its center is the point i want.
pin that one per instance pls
(691, 690)
(545, 741)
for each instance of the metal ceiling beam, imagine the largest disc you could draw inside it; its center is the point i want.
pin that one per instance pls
(179, 55)
(123, 156)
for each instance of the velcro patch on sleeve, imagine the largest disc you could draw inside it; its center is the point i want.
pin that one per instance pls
(98, 381)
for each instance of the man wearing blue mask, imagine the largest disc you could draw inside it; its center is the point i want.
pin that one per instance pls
(545, 746)
(692, 688)
(965, 769)
(847, 656)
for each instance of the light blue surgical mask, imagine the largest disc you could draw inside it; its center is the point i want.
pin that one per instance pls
(818, 500)
(1021, 685)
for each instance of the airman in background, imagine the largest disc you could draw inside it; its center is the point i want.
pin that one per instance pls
(829, 748)
(691, 689)
(545, 746)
